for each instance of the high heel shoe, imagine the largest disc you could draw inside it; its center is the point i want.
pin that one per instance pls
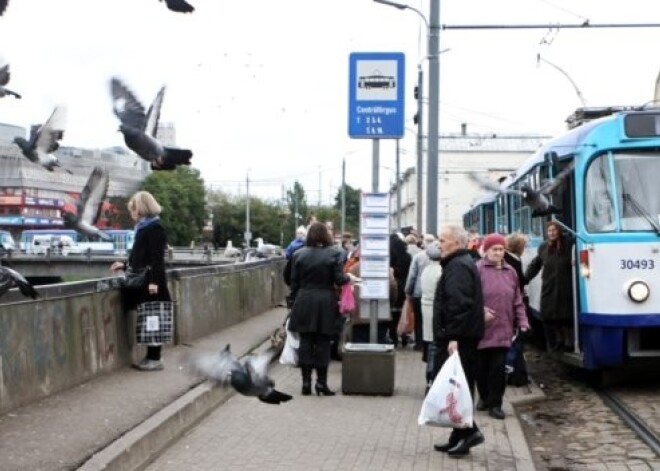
(322, 388)
(307, 388)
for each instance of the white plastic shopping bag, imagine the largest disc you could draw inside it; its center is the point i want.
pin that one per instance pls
(448, 402)
(289, 355)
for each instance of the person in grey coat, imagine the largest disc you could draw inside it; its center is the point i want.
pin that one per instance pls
(413, 288)
(316, 271)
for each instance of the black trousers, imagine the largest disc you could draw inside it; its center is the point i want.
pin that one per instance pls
(417, 307)
(314, 350)
(491, 378)
(467, 350)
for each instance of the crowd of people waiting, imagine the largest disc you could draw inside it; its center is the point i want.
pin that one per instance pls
(466, 293)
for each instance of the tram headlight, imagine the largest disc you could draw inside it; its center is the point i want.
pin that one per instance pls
(638, 291)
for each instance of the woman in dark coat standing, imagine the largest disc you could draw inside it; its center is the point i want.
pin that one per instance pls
(316, 271)
(148, 251)
(554, 256)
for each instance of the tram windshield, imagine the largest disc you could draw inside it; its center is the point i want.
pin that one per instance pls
(622, 192)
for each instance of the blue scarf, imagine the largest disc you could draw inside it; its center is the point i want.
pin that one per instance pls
(144, 222)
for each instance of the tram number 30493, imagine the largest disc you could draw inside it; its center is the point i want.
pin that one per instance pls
(636, 264)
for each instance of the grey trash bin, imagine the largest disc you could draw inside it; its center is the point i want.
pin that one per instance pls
(368, 368)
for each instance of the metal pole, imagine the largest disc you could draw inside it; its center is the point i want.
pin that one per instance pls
(420, 147)
(373, 303)
(248, 236)
(343, 197)
(434, 120)
(398, 187)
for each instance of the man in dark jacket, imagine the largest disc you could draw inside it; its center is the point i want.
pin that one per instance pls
(458, 322)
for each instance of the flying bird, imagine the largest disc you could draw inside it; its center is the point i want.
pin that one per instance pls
(10, 278)
(3, 7)
(180, 6)
(249, 378)
(537, 200)
(44, 141)
(4, 71)
(89, 205)
(139, 129)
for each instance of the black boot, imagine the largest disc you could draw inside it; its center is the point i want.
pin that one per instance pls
(306, 380)
(322, 382)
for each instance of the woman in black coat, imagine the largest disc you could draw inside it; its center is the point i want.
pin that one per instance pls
(148, 251)
(554, 256)
(316, 270)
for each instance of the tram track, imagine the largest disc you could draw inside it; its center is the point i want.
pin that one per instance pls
(631, 419)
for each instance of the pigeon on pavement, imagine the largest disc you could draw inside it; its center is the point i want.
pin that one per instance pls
(10, 278)
(139, 130)
(89, 205)
(43, 141)
(180, 6)
(537, 200)
(249, 378)
(4, 73)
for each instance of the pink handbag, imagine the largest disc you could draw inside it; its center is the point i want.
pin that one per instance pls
(346, 299)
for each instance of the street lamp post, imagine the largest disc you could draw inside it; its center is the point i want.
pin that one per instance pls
(433, 36)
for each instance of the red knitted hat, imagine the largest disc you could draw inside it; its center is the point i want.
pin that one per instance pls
(493, 239)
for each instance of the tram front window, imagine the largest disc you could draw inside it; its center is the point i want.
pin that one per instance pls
(634, 184)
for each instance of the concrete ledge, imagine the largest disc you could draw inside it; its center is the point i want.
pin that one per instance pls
(139, 446)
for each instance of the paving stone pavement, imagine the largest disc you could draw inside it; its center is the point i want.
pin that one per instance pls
(123, 419)
(347, 432)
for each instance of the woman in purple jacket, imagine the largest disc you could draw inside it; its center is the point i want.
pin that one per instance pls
(503, 309)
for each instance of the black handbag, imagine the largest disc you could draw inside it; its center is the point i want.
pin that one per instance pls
(136, 279)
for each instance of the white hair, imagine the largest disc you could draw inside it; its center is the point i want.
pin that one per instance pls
(457, 233)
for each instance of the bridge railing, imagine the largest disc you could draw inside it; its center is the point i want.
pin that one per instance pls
(76, 331)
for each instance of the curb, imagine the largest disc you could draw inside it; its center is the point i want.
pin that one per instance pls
(139, 446)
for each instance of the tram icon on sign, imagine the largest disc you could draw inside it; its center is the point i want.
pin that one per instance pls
(377, 80)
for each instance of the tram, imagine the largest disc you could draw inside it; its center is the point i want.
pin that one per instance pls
(609, 201)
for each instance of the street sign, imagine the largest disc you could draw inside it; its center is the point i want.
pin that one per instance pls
(375, 95)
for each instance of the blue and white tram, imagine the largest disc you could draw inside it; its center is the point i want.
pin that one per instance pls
(611, 204)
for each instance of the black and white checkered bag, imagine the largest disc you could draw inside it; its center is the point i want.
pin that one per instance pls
(154, 322)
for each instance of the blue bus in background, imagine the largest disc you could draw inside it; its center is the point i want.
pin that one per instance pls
(122, 240)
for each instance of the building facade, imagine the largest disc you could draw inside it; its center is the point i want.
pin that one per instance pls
(32, 197)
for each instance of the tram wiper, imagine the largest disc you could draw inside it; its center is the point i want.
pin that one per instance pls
(639, 209)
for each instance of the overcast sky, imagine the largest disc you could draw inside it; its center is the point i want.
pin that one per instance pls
(261, 86)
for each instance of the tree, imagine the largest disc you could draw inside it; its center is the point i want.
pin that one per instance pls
(182, 195)
(229, 219)
(297, 203)
(118, 216)
(352, 209)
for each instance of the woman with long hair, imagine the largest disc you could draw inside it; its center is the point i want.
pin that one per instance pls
(316, 271)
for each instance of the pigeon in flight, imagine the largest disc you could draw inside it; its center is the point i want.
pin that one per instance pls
(180, 6)
(43, 141)
(249, 378)
(3, 6)
(4, 72)
(10, 278)
(537, 200)
(89, 205)
(139, 129)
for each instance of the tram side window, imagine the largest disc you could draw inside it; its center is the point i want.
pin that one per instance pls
(502, 216)
(599, 204)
